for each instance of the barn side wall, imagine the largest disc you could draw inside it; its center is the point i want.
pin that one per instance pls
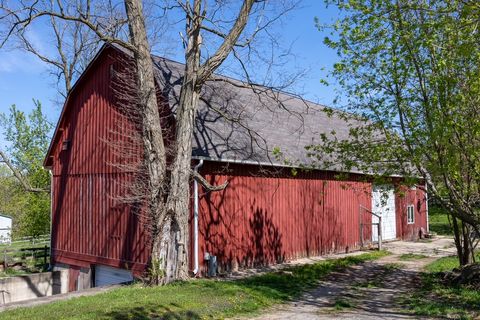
(268, 216)
(411, 196)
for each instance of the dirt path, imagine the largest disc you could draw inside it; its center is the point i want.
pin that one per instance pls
(367, 291)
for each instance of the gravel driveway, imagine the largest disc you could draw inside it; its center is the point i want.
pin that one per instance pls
(367, 291)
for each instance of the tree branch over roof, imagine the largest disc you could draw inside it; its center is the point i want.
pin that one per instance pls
(74, 42)
(26, 14)
(229, 42)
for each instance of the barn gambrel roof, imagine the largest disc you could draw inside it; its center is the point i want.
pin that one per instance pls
(239, 122)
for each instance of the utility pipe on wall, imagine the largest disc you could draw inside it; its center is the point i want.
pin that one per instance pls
(195, 218)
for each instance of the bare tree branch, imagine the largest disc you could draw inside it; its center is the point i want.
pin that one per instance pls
(229, 42)
(32, 12)
(206, 184)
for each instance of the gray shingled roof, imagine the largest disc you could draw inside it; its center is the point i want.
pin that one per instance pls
(237, 123)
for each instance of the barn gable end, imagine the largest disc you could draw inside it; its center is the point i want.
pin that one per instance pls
(90, 223)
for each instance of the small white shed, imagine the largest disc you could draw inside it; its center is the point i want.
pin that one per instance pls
(5, 229)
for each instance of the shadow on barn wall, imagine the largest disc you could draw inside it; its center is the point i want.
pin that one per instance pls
(263, 218)
(265, 239)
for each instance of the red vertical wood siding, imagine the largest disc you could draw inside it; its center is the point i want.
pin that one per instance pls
(90, 224)
(267, 217)
(416, 197)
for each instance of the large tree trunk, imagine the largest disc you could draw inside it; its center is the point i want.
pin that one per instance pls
(170, 228)
(177, 206)
(146, 101)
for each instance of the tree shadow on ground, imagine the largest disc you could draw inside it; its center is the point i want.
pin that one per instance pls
(221, 298)
(151, 312)
(290, 283)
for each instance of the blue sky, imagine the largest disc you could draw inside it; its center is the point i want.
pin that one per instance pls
(23, 77)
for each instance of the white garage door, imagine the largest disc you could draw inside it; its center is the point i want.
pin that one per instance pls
(107, 275)
(383, 203)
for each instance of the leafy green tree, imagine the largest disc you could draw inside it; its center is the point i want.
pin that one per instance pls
(25, 185)
(410, 72)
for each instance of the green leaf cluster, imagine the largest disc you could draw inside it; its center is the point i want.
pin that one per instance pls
(410, 73)
(27, 136)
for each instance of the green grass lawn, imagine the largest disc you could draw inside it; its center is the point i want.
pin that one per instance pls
(199, 299)
(438, 221)
(436, 299)
(446, 264)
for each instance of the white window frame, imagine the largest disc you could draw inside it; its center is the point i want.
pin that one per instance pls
(410, 214)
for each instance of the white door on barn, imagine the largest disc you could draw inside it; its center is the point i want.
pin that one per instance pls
(383, 203)
(105, 275)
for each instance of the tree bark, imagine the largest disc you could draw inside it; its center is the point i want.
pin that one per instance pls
(465, 250)
(170, 235)
(154, 149)
(177, 205)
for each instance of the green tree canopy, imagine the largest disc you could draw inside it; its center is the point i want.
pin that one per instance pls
(28, 138)
(411, 71)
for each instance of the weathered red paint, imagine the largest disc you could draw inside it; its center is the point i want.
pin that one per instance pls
(90, 224)
(73, 273)
(269, 215)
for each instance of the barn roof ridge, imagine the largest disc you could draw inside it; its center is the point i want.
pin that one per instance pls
(260, 123)
(289, 93)
(292, 94)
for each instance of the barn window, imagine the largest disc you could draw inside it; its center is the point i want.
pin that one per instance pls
(410, 214)
(65, 145)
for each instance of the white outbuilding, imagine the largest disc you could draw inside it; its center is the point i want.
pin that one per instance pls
(5, 229)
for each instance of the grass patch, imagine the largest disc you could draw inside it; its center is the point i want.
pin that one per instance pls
(199, 299)
(377, 280)
(438, 221)
(393, 266)
(437, 299)
(412, 256)
(9, 272)
(341, 304)
(368, 284)
(445, 264)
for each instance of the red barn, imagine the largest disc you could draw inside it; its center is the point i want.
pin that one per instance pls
(268, 213)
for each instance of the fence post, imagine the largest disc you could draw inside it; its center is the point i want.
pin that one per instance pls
(5, 264)
(379, 233)
(45, 257)
(361, 235)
